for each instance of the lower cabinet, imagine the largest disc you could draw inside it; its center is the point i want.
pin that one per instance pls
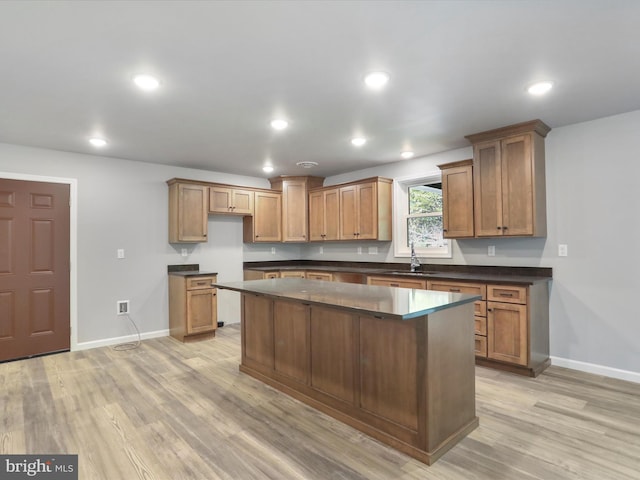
(511, 324)
(193, 312)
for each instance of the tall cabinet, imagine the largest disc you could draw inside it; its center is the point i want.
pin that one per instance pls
(509, 180)
(295, 219)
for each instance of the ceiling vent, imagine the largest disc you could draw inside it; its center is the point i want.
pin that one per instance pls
(307, 164)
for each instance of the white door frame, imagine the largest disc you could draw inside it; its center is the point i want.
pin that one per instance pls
(73, 242)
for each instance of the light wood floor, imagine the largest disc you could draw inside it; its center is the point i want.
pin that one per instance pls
(174, 411)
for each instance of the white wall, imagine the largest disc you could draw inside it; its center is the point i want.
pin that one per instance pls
(592, 206)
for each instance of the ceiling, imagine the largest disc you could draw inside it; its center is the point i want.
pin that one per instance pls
(227, 68)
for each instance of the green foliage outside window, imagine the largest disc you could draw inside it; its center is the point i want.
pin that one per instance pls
(424, 223)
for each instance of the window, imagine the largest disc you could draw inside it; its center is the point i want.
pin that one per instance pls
(418, 217)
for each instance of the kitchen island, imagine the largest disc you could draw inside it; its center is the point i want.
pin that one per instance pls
(395, 363)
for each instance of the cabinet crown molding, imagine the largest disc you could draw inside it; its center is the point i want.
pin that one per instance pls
(537, 126)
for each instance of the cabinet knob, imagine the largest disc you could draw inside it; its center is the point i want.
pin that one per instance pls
(504, 228)
(499, 228)
(444, 229)
(489, 309)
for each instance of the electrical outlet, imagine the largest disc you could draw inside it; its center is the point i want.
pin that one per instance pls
(184, 252)
(120, 253)
(321, 250)
(273, 250)
(563, 250)
(491, 251)
(373, 250)
(122, 307)
(359, 250)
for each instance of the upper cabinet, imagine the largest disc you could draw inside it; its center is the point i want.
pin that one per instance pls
(509, 181)
(266, 223)
(297, 209)
(365, 210)
(457, 199)
(324, 212)
(295, 218)
(228, 200)
(187, 212)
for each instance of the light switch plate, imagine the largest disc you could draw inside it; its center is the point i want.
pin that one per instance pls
(120, 253)
(563, 250)
(184, 252)
(491, 251)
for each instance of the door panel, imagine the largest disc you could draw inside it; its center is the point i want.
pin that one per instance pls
(34, 268)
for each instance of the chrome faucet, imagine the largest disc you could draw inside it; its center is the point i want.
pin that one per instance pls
(415, 263)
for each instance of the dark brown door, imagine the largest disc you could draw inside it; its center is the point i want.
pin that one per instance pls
(34, 268)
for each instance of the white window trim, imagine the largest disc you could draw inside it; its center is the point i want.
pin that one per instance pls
(401, 211)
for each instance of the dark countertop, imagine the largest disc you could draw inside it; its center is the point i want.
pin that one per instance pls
(387, 302)
(193, 273)
(484, 274)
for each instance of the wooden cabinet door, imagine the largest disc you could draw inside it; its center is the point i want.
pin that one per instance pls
(331, 202)
(291, 340)
(367, 208)
(257, 331)
(507, 332)
(487, 189)
(457, 201)
(348, 213)
(201, 310)
(192, 213)
(316, 216)
(517, 186)
(294, 211)
(229, 200)
(267, 223)
(220, 199)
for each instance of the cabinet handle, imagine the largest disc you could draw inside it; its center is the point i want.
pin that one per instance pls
(394, 284)
(506, 295)
(444, 229)
(454, 289)
(201, 283)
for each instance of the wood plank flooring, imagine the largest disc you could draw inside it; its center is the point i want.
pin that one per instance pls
(173, 411)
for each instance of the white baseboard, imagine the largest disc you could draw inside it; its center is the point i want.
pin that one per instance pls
(596, 369)
(117, 340)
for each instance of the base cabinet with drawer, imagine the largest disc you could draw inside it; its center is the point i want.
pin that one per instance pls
(193, 307)
(511, 324)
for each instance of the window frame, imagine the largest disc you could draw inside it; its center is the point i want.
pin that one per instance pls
(401, 214)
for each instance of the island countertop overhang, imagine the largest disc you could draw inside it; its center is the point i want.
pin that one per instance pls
(388, 302)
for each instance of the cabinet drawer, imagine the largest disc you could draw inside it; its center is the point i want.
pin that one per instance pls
(272, 275)
(480, 308)
(507, 293)
(292, 274)
(397, 282)
(481, 346)
(480, 326)
(198, 283)
(319, 276)
(455, 287)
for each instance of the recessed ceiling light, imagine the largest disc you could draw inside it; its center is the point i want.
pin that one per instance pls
(406, 154)
(279, 124)
(540, 88)
(98, 142)
(358, 141)
(376, 80)
(267, 169)
(146, 82)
